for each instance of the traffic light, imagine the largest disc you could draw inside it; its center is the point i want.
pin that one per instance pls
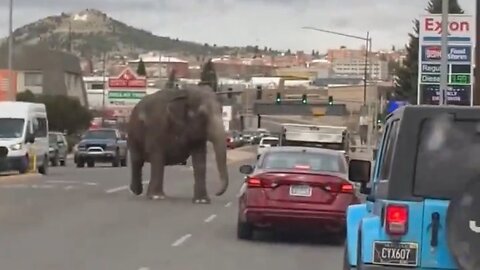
(304, 98)
(259, 92)
(330, 100)
(279, 98)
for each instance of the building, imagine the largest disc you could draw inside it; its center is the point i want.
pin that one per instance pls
(160, 66)
(95, 88)
(44, 71)
(351, 63)
(355, 67)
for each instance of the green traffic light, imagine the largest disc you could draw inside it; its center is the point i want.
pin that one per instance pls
(304, 101)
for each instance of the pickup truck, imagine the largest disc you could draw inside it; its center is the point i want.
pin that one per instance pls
(102, 145)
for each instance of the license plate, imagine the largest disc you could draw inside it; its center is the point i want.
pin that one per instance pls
(301, 191)
(391, 253)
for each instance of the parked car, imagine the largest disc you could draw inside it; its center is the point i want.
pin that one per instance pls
(422, 197)
(58, 149)
(234, 139)
(295, 186)
(102, 145)
(265, 143)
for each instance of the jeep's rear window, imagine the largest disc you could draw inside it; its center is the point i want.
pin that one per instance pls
(447, 157)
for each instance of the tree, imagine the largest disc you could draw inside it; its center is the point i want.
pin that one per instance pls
(406, 82)
(172, 79)
(64, 112)
(141, 68)
(209, 76)
(26, 96)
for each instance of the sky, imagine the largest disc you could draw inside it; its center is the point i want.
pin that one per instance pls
(272, 23)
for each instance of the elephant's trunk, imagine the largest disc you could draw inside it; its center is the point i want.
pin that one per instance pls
(218, 139)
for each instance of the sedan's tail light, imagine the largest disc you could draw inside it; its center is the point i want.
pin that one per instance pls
(346, 188)
(255, 182)
(396, 219)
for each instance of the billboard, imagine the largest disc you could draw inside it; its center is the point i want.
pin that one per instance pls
(126, 90)
(4, 84)
(461, 35)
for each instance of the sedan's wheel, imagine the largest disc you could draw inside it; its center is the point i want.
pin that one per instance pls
(244, 230)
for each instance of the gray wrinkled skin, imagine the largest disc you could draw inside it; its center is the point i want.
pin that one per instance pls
(168, 127)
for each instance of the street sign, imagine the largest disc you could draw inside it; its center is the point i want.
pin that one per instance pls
(126, 94)
(461, 30)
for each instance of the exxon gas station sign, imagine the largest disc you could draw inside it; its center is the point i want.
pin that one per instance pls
(458, 26)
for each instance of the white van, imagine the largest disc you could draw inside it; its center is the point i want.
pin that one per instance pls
(23, 130)
(265, 143)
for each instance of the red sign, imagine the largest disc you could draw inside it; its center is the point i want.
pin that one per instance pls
(433, 52)
(127, 79)
(433, 25)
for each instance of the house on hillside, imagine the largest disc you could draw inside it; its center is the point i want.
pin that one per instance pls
(44, 71)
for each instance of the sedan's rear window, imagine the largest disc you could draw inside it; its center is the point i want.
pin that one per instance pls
(305, 161)
(447, 157)
(270, 142)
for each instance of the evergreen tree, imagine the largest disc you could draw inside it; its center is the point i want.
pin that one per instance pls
(209, 76)
(141, 68)
(172, 79)
(406, 82)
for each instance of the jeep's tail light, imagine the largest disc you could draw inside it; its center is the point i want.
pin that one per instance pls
(396, 219)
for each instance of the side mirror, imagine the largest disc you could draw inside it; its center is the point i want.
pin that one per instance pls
(30, 138)
(359, 171)
(246, 169)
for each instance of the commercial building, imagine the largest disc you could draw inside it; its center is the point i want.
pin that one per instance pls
(44, 71)
(160, 66)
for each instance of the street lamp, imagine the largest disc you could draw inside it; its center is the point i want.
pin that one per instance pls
(11, 90)
(368, 48)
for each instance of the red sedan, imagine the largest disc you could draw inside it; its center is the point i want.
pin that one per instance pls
(297, 187)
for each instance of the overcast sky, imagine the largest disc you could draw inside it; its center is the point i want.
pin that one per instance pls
(272, 23)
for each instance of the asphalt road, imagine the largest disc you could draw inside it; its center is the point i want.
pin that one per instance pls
(86, 219)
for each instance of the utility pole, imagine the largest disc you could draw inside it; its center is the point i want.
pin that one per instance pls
(366, 69)
(104, 87)
(444, 61)
(10, 90)
(476, 94)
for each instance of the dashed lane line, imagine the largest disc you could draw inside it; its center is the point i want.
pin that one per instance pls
(210, 218)
(181, 240)
(117, 189)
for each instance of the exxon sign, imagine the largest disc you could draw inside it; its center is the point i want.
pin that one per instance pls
(458, 26)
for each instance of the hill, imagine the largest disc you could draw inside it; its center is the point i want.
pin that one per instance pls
(91, 32)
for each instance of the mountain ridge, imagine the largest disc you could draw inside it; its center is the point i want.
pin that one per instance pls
(92, 32)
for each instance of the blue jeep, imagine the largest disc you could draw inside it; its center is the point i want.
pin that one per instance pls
(423, 196)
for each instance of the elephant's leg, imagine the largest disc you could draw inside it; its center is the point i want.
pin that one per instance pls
(199, 162)
(137, 162)
(157, 166)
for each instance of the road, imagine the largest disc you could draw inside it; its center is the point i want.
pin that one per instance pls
(86, 219)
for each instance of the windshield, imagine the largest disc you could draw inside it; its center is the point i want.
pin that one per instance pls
(11, 127)
(100, 134)
(52, 138)
(447, 157)
(311, 161)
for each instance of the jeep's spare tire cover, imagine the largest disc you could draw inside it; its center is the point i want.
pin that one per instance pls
(463, 226)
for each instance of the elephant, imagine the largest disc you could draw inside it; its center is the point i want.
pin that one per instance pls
(169, 126)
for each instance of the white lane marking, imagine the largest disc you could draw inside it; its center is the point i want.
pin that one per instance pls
(210, 218)
(143, 268)
(69, 187)
(117, 189)
(181, 240)
(45, 186)
(228, 204)
(60, 182)
(91, 184)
